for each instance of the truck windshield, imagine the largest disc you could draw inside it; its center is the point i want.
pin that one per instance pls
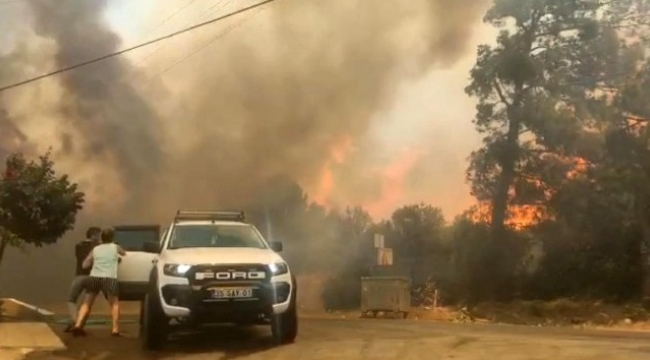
(215, 236)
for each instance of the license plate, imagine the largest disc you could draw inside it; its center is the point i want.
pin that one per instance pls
(231, 293)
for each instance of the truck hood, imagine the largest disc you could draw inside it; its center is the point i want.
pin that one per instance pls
(220, 256)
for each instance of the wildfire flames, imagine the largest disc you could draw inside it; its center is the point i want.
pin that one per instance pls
(520, 217)
(392, 179)
(337, 154)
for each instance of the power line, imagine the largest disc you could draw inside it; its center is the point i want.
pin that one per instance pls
(162, 46)
(172, 15)
(199, 49)
(220, 5)
(141, 59)
(114, 54)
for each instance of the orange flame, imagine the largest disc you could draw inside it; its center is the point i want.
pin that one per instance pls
(520, 217)
(339, 150)
(392, 183)
(392, 179)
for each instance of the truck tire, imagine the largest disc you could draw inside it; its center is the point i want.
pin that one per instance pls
(284, 327)
(154, 323)
(141, 318)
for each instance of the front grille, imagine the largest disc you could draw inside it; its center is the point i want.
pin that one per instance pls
(237, 274)
(232, 284)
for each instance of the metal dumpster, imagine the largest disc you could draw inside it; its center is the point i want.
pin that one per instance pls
(387, 294)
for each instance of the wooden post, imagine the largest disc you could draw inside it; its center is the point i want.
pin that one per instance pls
(379, 241)
(435, 299)
(384, 257)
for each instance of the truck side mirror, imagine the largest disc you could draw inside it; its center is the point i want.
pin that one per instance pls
(276, 246)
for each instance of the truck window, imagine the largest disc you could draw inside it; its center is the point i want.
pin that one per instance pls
(215, 236)
(133, 239)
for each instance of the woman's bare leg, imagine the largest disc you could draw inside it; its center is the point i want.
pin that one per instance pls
(114, 301)
(85, 309)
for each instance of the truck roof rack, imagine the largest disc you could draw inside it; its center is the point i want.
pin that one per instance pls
(209, 215)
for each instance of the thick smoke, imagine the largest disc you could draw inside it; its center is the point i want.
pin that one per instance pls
(270, 98)
(274, 97)
(116, 124)
(12, 138)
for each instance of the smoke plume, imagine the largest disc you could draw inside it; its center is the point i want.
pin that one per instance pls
(117, 124)
(271, 97)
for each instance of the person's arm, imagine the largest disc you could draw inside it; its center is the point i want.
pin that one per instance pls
(78, 252)
(88, 261)
(120, 250)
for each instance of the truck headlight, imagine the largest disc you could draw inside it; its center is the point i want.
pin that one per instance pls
(177, 270)
(278, 269)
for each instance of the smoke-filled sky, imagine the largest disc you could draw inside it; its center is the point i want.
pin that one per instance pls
(360, 101)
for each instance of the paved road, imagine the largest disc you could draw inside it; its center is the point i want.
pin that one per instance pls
(371, 339)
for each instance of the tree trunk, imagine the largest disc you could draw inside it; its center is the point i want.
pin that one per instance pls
(497, 258)
(497, 254)
(3, 247)
(643, 217)
(645, 262)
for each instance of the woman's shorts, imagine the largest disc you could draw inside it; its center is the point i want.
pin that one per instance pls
(108, 286)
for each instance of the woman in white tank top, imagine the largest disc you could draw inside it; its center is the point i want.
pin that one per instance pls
(103, 278)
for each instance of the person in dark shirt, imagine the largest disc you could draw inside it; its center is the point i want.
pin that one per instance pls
(82, 249)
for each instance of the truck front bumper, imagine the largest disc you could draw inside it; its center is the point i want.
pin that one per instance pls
(184, 301)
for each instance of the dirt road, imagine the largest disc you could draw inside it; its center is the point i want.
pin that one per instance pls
(371, 339)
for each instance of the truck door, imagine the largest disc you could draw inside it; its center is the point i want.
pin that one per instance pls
(134, 268)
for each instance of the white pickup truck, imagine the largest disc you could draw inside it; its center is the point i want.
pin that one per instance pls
(207, 267)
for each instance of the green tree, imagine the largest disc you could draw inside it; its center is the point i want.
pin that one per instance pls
(356, 223)
(417, 229)
(37, 206)
(282, 212)
(350, 254)
(592, 236)
(619, 175)
(416, 235)
(279, 209)
(527, 90)
(470, 240)
(352, 237)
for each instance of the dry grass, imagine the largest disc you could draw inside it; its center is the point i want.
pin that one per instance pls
(532, 313)
(563, 313)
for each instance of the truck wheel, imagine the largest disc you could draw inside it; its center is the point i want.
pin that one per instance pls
(141, 318)
(154, 324)
(284, 327)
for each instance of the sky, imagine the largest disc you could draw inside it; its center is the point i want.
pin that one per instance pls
(421, 139)
(429, 116)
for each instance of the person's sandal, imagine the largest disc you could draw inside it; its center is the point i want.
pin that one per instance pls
(116, 334)
(69, 328)
(76, 332)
